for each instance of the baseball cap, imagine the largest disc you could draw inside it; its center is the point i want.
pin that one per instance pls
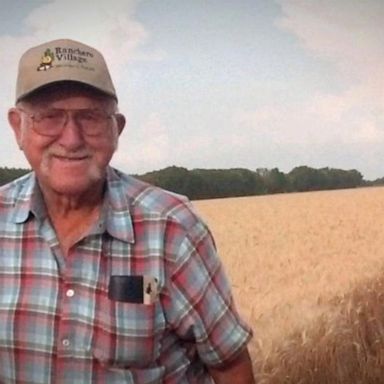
(62, 60)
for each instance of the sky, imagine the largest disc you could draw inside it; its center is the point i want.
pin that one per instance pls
(222, 83)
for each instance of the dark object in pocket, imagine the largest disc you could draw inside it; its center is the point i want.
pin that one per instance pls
(128, 289)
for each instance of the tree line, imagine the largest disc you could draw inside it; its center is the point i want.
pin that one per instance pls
(219, 183)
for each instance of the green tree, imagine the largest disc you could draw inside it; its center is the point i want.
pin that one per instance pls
(274, 180)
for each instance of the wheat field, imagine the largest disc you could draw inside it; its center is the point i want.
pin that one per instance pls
(307, 274)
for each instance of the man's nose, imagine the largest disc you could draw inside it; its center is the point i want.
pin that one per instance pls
(71, 134)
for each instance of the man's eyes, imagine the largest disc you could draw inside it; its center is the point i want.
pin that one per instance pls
(89, 115)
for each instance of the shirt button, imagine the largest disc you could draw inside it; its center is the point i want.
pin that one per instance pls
(70, 293)
(65, 342)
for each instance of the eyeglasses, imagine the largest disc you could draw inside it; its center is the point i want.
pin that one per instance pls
(52, 121)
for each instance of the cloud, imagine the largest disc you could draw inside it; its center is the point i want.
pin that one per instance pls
(109, 26)
(337, 128)
(348, 33)
(145, 149)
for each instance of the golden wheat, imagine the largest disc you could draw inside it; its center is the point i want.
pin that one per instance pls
(306, 273)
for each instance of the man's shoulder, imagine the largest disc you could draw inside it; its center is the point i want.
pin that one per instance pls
(150, 200)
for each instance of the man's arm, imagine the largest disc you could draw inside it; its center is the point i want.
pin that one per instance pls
(237, 371)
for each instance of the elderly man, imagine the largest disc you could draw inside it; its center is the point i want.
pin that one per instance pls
(103, 278)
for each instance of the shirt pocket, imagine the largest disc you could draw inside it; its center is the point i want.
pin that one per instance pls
(130, 335)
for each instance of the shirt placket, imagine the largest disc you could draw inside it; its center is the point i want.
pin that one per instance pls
(77, 301)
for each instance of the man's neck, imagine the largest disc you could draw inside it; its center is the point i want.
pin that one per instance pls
(73, 216)
(61, 204)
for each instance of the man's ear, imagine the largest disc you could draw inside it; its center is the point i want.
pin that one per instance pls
(14, 119)
(120, 120)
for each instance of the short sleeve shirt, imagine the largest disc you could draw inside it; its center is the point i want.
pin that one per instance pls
(142, 298)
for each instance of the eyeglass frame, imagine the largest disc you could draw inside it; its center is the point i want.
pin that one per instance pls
(55, 131)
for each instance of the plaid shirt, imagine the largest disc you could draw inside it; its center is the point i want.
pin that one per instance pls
(61, 319)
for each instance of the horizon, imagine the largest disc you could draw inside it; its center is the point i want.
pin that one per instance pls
(221, 169)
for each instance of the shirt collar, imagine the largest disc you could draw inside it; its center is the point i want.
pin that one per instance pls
(115, 218)
(28, 200)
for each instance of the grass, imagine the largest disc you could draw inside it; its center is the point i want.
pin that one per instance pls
(307, 274)
(343, 345)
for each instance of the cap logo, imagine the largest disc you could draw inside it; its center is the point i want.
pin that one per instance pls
(65, 57)
(46, 60)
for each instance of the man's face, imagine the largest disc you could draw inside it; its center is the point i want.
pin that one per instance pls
(70, 162)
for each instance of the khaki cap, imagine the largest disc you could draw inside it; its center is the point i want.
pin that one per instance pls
(62, 60)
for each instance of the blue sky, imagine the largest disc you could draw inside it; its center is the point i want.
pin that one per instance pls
(223, 83)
